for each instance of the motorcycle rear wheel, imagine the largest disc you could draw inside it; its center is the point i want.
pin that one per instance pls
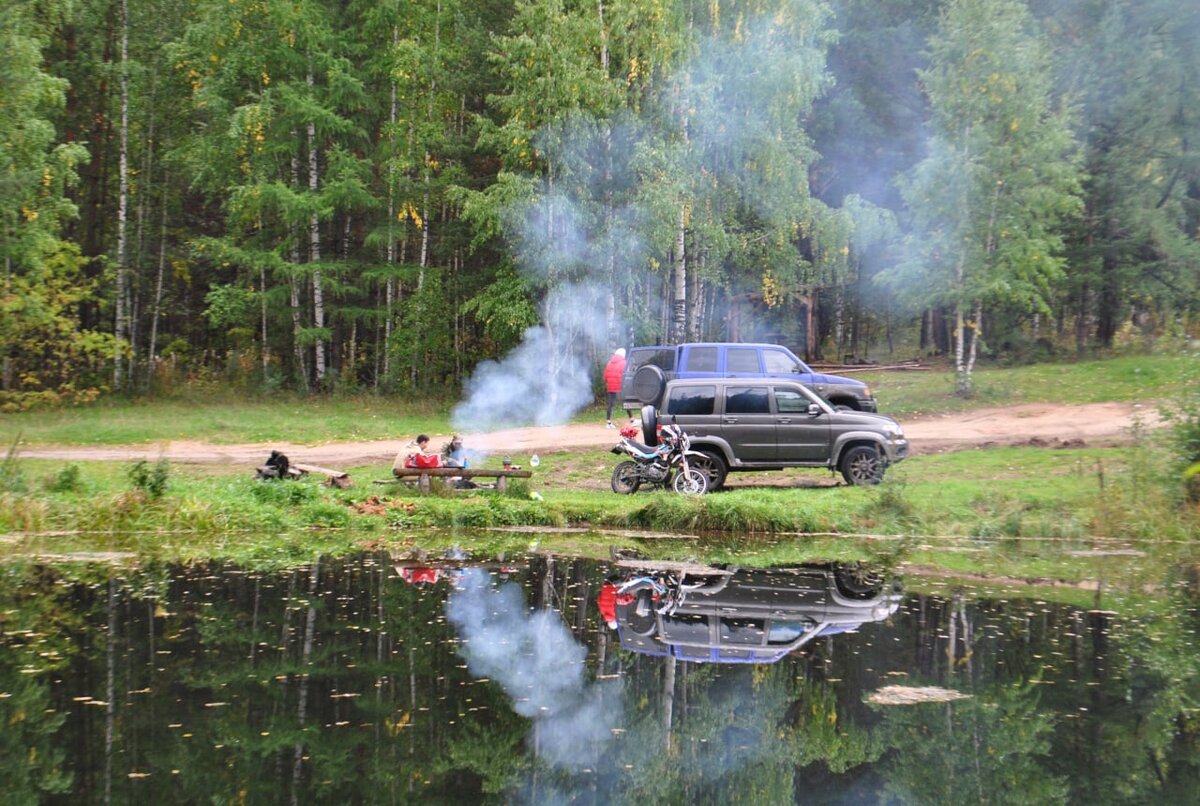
(626, 479)
(693, 482)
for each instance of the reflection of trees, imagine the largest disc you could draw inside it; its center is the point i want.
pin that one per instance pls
(210, 666)
(31, 764)
(983, 750)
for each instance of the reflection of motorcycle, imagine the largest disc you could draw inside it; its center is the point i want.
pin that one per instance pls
(665, 464)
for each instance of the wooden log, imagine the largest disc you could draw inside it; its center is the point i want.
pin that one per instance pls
(336, 478)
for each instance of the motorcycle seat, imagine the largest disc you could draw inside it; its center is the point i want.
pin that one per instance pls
(645, 451)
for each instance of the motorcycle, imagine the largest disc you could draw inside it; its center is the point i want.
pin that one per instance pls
(665, 464)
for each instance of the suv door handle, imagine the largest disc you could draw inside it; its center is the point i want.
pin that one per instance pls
(784, 420)
(731, 419)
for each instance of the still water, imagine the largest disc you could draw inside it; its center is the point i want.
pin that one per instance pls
(553, 679)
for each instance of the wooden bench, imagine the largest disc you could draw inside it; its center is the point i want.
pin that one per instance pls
(424, 474)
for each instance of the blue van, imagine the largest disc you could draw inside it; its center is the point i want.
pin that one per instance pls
(647, 370)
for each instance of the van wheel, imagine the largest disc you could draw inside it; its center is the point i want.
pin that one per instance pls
(626, 479)
(711, 465)
(647, 384)
(862, 465)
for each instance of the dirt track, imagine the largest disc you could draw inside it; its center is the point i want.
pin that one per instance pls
(1043, 424)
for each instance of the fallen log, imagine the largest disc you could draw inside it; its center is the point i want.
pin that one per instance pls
(335, 478)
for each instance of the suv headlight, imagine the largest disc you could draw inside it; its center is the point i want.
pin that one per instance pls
(866, 391)
(893, 432)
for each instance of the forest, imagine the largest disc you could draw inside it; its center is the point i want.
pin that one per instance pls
(393, 195)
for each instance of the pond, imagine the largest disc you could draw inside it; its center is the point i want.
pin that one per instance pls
(378, 679)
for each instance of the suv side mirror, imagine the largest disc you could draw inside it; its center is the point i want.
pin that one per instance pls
(813, 409)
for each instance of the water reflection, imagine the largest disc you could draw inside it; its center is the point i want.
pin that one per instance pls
(742, 615)
(349, 681)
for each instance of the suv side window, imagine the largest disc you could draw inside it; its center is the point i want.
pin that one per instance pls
(747, 400)
(702, 359)
(789, 401)
(741, 359)
(777, 362)
(692, 400)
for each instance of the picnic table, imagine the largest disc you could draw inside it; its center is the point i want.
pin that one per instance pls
(424, 474)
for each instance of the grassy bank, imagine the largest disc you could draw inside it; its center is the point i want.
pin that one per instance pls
(995, 494)
(223, 416)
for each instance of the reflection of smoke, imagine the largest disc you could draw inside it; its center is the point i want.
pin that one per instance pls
(539, 665)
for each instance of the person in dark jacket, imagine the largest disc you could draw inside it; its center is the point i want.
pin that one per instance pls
(614, 371)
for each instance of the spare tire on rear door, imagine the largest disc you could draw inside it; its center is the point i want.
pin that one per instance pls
(649, 426)
(647, 384)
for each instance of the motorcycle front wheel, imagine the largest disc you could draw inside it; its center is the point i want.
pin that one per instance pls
(693, 482)
(626, 479)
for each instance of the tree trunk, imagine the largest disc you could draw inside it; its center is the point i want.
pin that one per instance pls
(122, 303)
(158, 283)
(314, 254)
(294, 289)
(679, 281)
(976, 327)
(390, 283)
(961, 381)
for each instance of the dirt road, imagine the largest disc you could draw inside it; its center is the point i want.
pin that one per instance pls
(1043, 424)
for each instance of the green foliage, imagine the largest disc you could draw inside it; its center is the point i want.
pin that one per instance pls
(150, 478)
(68, 479)
(1001, 175)
(12, 479)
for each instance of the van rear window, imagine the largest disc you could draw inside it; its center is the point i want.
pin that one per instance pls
(701, 359)
(692, 400)
(663, 359)
(741, 359)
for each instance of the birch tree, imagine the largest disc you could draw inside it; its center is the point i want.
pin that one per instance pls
(1000, 178)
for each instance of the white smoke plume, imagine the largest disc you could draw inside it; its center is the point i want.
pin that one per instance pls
(539, 664)
(547, 378)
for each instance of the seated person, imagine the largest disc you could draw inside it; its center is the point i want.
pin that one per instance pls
(416, 454)
(453, 453)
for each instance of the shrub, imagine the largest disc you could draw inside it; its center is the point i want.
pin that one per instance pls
(150, 479)
(67, 480)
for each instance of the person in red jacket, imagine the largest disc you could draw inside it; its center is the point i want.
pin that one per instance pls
(607, 601)
(614, 370)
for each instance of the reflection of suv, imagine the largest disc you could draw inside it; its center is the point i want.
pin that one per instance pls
(647, 370)
(752, 615)
(767, 424)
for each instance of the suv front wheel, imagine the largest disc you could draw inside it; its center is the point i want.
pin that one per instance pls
(862, 465)
(710, 465)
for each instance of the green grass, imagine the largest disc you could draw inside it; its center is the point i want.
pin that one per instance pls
(219, 416)
(1148, 378)
(227, 418)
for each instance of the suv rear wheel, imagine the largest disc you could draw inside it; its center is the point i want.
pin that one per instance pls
(862, 465)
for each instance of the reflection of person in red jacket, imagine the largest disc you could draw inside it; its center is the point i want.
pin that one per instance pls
(607, 601)
(614, 370)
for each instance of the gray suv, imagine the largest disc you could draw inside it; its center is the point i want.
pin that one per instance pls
(741, 424)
